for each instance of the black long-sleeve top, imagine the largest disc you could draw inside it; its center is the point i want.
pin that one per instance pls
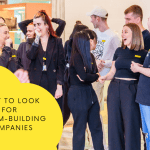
(23, 26)
(77, 68)
(9, 59)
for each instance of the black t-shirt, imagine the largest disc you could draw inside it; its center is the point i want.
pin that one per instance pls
(77, 68)
(146, 37)
(143, 92)
(123, 59)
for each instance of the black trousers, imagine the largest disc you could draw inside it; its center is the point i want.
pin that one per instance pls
(84, 107)
(123, 116)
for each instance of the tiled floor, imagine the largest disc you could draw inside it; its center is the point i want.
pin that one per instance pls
(66, 139)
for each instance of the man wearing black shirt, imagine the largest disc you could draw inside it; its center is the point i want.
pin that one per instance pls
(134, 14)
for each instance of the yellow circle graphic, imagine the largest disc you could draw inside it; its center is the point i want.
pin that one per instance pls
(30, 117)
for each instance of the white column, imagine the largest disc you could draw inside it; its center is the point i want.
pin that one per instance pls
(58, 11)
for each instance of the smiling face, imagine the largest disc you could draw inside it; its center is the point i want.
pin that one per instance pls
(127, 36)
(41, 26)
(30, 31)
(94, 20)
(4, 32)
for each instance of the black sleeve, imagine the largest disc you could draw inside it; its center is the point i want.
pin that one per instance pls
(6, 54)
(115, 54)
(13, 63)
(147, 43)
(19, 54)
(61, 26)
(33, 51)
(23, 25)
(94, 66)
(144, 52)
(65, 47)
(81, 71)
(61, 63)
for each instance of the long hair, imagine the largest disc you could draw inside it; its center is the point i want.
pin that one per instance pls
(76, 29)
(46, 19)
(81, 45)
(137, 42)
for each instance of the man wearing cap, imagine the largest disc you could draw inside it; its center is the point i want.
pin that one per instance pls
(134, 14)
(107, 43)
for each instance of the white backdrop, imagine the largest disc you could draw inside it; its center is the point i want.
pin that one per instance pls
(77, 9)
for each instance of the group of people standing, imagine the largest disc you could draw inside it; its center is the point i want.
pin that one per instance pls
(75, 74)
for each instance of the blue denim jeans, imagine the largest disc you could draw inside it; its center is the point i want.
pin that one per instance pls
(145, 115)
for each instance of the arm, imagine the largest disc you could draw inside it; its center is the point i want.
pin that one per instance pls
(109, 75)
(6, 54)
(147, 43)
(33, 51)
(135, 67)
(23, 25)
(80, 69)
(61, 26)
(110, 50)
(61, 63)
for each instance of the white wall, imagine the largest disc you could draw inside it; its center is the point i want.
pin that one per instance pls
(77, 9)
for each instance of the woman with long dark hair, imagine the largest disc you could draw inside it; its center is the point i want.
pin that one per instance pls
(82, 99)
(68, 49)
(124, 120)
(47, 57)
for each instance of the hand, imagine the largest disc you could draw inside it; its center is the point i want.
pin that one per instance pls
(80, 78)
(102, 79)
(8, 42)
(59, 92)
(135, 67)
(100, 64)
(98, 75)
(38, 32)
(22, 76)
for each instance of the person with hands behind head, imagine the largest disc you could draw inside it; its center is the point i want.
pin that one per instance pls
(124, 120)
(82, 99)
(143, 95)
(47, 57)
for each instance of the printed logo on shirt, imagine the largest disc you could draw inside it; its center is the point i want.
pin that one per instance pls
(138, 56)
(98, 52)
(13, 56)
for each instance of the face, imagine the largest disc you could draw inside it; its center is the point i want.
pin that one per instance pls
(95, 22)
(130, 18)
(30, 31)
(39, 25)
(1, 20)
(4, 32)
(93, 44)
(127, 36)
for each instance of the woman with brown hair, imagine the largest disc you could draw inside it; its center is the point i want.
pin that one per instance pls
(124, 120)
(27, 28)
(47, 57)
